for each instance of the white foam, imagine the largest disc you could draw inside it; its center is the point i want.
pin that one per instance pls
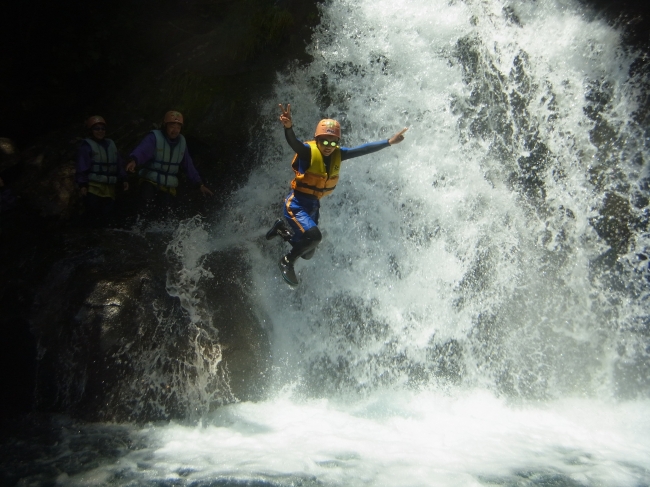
(399, 440)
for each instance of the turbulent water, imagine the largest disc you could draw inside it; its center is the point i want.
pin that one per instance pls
(501, 246)
(477, 313)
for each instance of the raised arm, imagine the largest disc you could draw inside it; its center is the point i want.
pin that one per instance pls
(303, 151)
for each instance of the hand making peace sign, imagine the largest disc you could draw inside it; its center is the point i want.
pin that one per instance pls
(285, 117)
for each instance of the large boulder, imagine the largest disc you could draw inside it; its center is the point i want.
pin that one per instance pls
(115, 345)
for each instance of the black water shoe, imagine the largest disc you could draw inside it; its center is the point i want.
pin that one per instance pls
(288, 274)
(278, 228)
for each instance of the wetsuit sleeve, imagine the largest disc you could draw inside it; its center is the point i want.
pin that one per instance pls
(83, 164)
(303, 150)
(363, 150)
(145, 150)
(188, 166)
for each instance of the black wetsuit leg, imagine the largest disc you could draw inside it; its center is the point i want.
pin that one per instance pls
(306, 246)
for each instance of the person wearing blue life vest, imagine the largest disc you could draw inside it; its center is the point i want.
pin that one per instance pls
(99, 168)
(316, 165)
(159, 157)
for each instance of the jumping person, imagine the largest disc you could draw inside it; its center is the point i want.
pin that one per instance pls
(317, 164)
(160, 155)
(99, 168)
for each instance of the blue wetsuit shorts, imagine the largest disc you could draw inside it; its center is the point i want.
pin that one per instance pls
(301, 213)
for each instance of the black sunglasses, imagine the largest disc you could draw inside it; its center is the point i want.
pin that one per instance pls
(331, 143)
(99, 128)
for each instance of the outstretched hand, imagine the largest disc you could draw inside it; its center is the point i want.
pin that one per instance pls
(398, 137)
(204, 189)
(285, 116)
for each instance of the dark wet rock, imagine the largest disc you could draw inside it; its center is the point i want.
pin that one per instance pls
(632, 15)
(8, 154)
(614, 221)
(243, 338)
(114, 345)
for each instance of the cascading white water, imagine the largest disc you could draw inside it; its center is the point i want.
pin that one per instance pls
(477, 311)
(467, 255)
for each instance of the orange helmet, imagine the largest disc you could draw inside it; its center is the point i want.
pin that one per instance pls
(95, 119)
(173, 116)
(328, 126)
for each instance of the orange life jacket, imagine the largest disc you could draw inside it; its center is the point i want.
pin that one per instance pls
(316, 180)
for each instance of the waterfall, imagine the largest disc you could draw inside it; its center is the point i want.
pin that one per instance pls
(477, 312)
(503, 245)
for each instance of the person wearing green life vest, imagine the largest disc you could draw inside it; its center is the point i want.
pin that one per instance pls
(99, 170)
(158, 158)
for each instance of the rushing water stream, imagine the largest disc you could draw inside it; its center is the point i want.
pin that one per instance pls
(477, 313)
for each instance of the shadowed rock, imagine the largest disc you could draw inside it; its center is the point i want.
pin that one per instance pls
(114, 345)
